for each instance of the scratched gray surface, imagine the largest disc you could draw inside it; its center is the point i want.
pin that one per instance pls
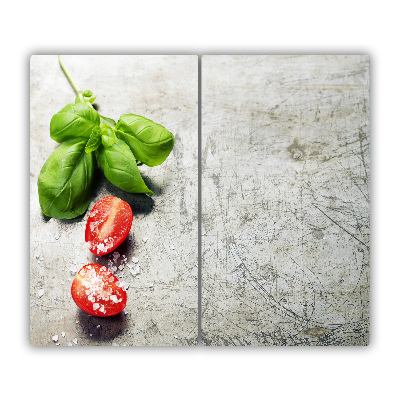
(162, 300)
(285, 200)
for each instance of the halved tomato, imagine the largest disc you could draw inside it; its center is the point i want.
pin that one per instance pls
(108, 225)
(97, 291)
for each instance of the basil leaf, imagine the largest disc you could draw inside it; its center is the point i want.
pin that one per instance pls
(72, 121)
(107, 136)
(91, 101)
(119, 166)
(150, 143)
(65, 181)
(107, 121)
(87, 93)
(94, 141)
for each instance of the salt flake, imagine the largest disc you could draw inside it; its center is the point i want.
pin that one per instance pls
(40, 292)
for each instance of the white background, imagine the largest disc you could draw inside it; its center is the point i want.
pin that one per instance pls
(212, 27)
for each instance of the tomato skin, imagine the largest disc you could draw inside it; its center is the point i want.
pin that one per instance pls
(108, 225)
(98, 292)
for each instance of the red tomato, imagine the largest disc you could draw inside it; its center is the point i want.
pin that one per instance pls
(108, 225)
(97, 291)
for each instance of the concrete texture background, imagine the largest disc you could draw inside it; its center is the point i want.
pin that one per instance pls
(163, 299)
(285, 200)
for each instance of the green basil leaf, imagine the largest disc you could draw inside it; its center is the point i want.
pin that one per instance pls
(107, 135)
(74, 120)
(107, 121)
(87, 93)
(94, 141)
(91, 101)
(119, 166)
(65, 181)
(150, 143)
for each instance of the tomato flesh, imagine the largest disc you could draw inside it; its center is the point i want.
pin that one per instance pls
(108, 225)
(97, 291)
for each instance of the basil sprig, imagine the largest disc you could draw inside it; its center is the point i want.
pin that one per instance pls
(90, 140)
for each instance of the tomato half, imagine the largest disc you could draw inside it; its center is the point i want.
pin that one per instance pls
(97, 291)
(108, 225)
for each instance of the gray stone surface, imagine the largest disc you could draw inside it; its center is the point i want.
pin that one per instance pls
(285, 200)
(162, 300)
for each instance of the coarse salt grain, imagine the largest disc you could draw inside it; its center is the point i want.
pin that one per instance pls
(135, 260)
(172, 247)
(145, 239)
(96, 306)
(63, 334)
(55, 338)
(72, 270)
(114, 298)
(135, 271)
(75, 341)
(116, 255)
(40, 292)
(101, 247)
